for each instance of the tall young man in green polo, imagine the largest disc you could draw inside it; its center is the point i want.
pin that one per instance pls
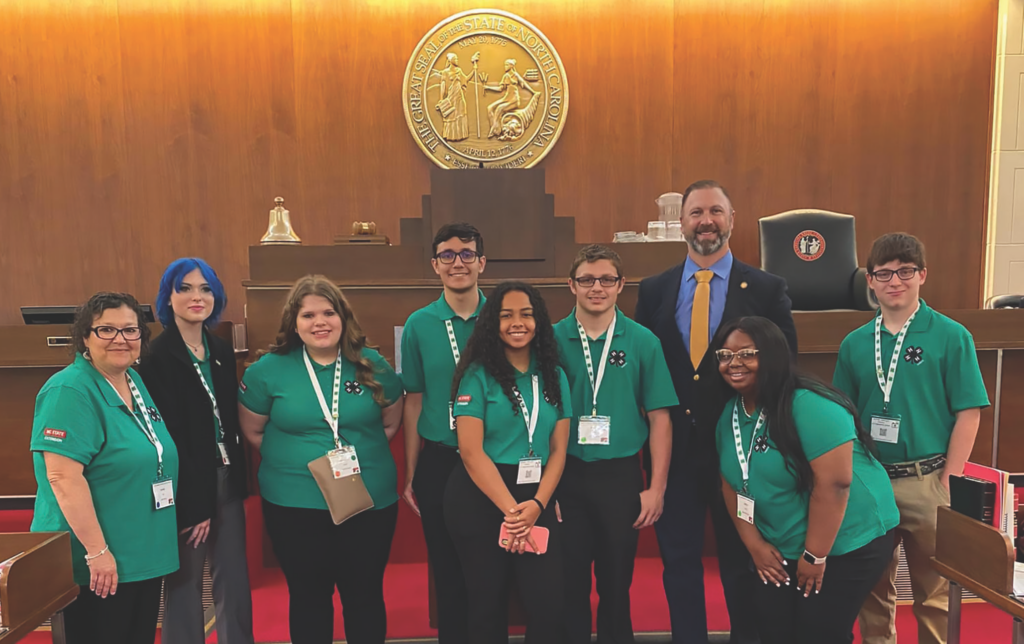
(616, 371)
(432, 341)
(913, 374)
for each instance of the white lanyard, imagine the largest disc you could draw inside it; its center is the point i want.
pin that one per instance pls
(331, 416)
(146, 425)
(213, 399)
(595, 383)
(530, 418)
(740, 456)
(883, 382)
(453, 341)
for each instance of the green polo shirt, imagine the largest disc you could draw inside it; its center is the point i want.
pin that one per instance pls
(278, 386)
(937, 376)
(204, 366)
(426, 347)
(780, 511)
(635, 379)
(79, 415)
(505, 435)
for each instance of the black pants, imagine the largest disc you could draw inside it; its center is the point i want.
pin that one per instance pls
(433, 469)
(475, 524)
(694, 488)
(129, 617)
(600, 502)
(785, 616)
(316, 555)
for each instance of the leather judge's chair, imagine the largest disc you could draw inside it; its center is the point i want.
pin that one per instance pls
(1005, 302)
(815, 251)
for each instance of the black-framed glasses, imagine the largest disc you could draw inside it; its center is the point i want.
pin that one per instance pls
(885, 275)
(606, 280)
(745, 355)
(129, 333)
(448, 256)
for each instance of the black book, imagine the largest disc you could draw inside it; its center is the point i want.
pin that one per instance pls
(973, 497)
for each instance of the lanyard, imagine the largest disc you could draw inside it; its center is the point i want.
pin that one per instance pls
(530, 418)
(595, 383)
(213, 400)
(453, 341)
(883, 382)
(331, 416)
(740, 456)
(146, 425)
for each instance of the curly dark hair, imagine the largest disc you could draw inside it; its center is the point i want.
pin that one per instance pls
(485, 346)
(85, 314)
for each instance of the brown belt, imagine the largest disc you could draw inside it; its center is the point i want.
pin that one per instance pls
(927, 466)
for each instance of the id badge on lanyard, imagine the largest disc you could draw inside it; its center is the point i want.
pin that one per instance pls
(221, 447)
(744, 500)
(595, 429)
(163, 486)
(885, 426)
(344, 461)
(745, 507)
(530, 465)
(457, 356)
(163, 493)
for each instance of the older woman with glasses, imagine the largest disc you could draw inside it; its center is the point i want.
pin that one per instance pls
(107, 471)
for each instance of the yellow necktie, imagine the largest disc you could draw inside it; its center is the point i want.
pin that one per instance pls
(699, 317)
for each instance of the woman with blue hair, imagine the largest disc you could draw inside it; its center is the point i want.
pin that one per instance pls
(191, 375)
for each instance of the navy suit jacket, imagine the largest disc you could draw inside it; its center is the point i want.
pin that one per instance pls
(702, 392)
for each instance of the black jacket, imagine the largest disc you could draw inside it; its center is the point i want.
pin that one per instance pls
(702, 392)
(173, 383)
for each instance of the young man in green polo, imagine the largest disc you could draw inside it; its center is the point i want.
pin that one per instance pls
(617, 372)
(913, 375)
(432, 341)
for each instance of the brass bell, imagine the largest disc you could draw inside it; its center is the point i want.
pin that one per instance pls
(280, 229)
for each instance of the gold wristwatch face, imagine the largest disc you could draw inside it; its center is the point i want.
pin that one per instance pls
(485, 87)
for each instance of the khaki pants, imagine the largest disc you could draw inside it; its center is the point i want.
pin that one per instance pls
(918, 498)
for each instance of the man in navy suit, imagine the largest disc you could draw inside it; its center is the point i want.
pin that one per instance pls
(682, 306)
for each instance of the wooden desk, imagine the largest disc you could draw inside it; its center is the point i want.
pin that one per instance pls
(38, 585)
(980, 558)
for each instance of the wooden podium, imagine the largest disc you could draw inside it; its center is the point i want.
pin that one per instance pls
(38, 584)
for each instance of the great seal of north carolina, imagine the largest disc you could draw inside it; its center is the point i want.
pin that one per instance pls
(485, 86)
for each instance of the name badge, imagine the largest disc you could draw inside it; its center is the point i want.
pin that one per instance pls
(344, 461)
(594, 430)
(224, 453)
(451, 417)
(745, 507)
(163, 493)
(529, 470)
(885, 429)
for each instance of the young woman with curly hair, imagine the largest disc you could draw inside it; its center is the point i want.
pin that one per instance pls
(512, 410)
(321, 386)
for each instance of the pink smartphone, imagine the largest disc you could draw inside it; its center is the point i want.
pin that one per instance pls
(540, 535)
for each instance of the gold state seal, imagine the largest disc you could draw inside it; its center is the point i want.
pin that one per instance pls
(485, 86)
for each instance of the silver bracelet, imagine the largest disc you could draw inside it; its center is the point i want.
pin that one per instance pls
(98, 554)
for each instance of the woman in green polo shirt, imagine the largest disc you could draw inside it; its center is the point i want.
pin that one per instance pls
(319, 387)
(107, 471)
(512, 410)
(811, 502)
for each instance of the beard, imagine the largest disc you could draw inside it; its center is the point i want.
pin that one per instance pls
(708, 247)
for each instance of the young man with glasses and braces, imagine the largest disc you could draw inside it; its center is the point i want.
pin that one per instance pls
(913, 375)
(617, 371)
(432, 342)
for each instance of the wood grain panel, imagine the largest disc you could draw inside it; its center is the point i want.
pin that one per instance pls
(133, 132)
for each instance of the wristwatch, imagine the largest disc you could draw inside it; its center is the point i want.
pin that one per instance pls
(811, 559)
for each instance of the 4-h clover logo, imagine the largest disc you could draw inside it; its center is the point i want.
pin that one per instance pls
(617, 358)
(548, 399)
(761, 443)
(913, 355)
(154, 415)
(353, 387)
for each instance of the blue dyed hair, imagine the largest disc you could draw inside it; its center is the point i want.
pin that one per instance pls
(172, 278)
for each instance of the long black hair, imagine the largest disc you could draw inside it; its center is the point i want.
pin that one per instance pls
(485, 346)
(777, 380)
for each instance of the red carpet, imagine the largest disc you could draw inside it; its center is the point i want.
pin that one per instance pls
(406, 591)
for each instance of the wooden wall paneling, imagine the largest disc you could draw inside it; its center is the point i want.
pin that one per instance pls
(912, 136)
(982, 452)
(16, 474)
(1011, 438)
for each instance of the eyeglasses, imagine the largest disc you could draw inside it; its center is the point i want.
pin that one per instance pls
(745, 355)
(448, 256)
(606, 280)
(905, 273)
(129, 333)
